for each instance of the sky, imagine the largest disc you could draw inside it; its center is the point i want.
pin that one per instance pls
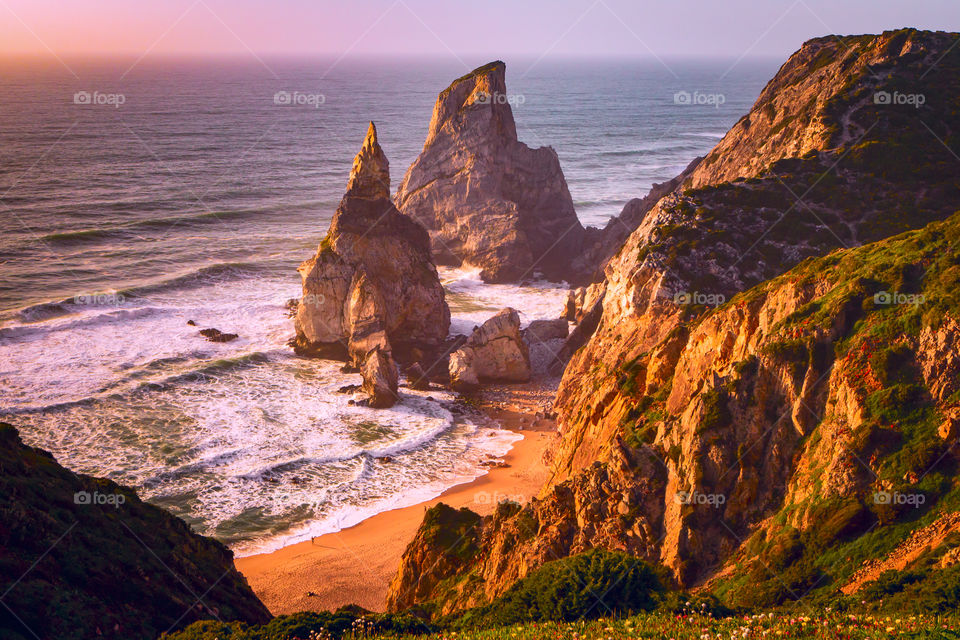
(458, 28)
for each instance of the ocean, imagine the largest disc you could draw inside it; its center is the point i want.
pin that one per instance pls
(137, 197)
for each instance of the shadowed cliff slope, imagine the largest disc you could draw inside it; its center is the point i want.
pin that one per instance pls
(83, 557)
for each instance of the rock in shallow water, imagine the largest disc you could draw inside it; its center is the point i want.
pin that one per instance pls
(380, 379)
(215, 335)
(417, 378)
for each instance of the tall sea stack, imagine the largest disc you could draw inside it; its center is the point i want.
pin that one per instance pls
(487, 199)
(372, 283)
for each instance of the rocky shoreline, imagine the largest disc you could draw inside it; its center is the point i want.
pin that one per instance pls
(758, 408)
(731, 349)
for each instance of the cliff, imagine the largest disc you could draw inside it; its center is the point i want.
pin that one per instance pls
(835, 92)
(487, 199)
(715, 408)
(699, 246)
(83, 557)
(810, 423)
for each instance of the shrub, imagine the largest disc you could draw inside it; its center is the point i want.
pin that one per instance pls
(716, 414)
(597, 583)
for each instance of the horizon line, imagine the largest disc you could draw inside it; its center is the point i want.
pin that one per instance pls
(237, 55)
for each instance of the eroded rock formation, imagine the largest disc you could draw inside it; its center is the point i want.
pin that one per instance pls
(380, 378)
(865, 171)
(487, 199)
(722, 413)
(494, 352)
(372, 284)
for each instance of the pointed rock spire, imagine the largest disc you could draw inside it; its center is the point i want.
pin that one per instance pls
(483, 90)
(370, 176)
(372, 285)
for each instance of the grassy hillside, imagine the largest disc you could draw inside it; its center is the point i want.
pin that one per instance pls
(821, 410)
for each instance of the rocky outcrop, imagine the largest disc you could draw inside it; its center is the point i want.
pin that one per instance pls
(545, 341)
(445, 538)
(380, 378)
(83, 557)
(417, 377)
(544, 330)
(494, 352)
(780, 420)
(866, 172)
(600, 245)
(727, 413)
(833, 92)
(372, 284)
(487, 199)
(921, 541)
(463, 374)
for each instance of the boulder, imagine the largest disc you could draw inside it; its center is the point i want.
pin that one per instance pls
(463, 375)
(372, 283)
(544, 330)
(545, 341)
(215, 335)
(487, 199)
(417, 378)
(495, 352)
(380, 378)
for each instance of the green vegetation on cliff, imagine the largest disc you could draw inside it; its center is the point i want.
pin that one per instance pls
(889, 300)
(593, 584)
(83, 557)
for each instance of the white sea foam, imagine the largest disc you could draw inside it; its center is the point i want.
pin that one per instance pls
(472, 301)
(243, 439)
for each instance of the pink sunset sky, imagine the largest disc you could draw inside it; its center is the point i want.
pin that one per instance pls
(441, 27)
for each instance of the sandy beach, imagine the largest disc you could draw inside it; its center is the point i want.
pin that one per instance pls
(355, 566)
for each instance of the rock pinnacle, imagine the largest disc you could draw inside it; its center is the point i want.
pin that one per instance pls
(370, 176)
